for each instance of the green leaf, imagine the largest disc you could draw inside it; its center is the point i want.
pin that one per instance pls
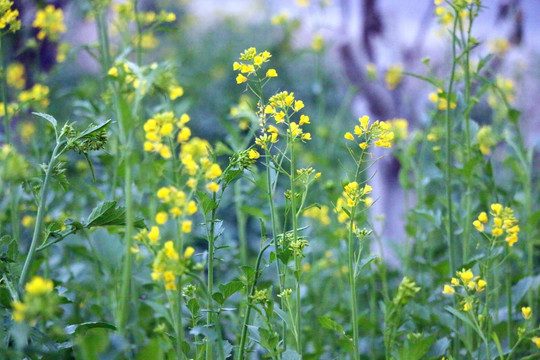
(108, 214)
(152, 351)
(92, 129)
(464, 318)
(328, 323)
(47, 117)
(80, 328)
(291, 355)
(230, 288)
(206, 202)
(218, 297)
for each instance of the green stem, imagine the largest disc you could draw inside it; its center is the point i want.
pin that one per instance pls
(128, 243)
(448, 172)
(297, 258)
(241, 221)
(7, 129)
(38, 229)
(251, 291)
(468, 152)
(210, 282)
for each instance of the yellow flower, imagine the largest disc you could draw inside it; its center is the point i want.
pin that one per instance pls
(497, 232)
(163, 193)
(183, 135)
(454, 281)
(298, 105)
(497, 209)
(166, 129)
(161, 217)
(478, 225)
(213, 172)
(465, 275)
(241, 79)
(15, 75)
(189, 252)
(526, 312)
(481, 285)
(536, 341)
(448, 290)
(253, 154)
(483, 217)
(27, 221)
(302, 3)
(271, 73)
(186, 226)
(39, 286)
(165, 152)
(113, 72)
(50, 21)
(153, 235)
(304, 119)
(175, 92)
(467, 306)
(212, 186)
(317, 44)
(170, 252)
(19, 310)
(393, 76)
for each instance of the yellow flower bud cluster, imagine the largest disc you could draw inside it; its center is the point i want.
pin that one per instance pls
(466, 280)
(15, 75)
(9, 18)
(250, 62)
(38, 94)
(160, 128)
(318, 213)
(352, 195)
(37, 302)
(168, 265)
(379, 132)
(504, 221)
(441, 99)
(486, 139)
(50, 22)
(393, 76)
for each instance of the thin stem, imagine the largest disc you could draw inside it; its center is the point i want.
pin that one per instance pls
(7, 129)
(241, 221)
(448, 172)
(38, 229)
(297, 259)
(128, 243)
(210, 281)
(251, 291)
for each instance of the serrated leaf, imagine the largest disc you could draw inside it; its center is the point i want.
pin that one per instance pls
(108, 214)
(47, 117)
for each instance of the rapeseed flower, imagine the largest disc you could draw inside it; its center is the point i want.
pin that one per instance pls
(50, 22)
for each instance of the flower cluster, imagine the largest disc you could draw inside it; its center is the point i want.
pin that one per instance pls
(37, 94)
(393, 76)
(50, 22)
(168, 264)
(352, 195)
(38, 301)
(486, 139)
(503, 222)
(15, 76)
(380, 132)
(282, 106)
(9, 18)
(318, 213)
(466, 280)
(249, 62)
(441, 99)
(161, 128)
(126, 12)
(178, 205)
